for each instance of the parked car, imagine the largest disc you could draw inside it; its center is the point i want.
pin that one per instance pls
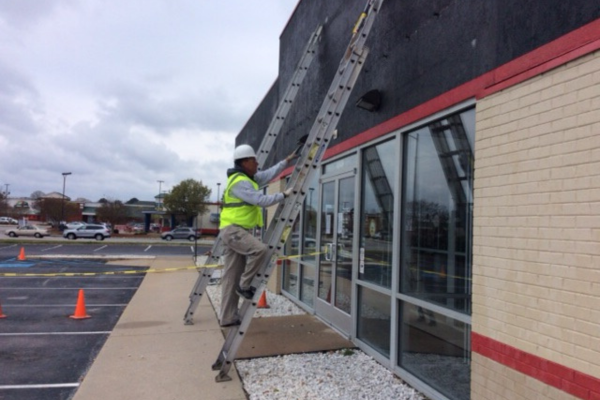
(75, 224)
(28, 230)
(98, 232)
(8, 221)
(180, 233)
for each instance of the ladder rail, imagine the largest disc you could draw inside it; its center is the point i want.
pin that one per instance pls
(307, 164)
(205, 273)
(288, 98)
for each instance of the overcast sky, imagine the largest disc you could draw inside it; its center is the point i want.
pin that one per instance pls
(123, 94)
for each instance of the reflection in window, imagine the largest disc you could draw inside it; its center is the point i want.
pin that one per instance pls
(378, 176)
(299, 271)
(435, 348)
(309, 216)
(344, 260)
(374, 318)
(290, 266)
(309, 243)
(437, 212)
(290, 277)
(326, 261)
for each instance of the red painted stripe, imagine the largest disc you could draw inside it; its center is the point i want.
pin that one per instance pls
(553, 374)
(575, 44)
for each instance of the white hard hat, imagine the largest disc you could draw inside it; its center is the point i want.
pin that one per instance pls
(243, 151)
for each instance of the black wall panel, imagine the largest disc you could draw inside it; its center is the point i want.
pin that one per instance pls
(420, 49)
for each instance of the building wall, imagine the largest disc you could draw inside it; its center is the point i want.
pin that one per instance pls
(418, 50)
(535, 327)
(536, 252)
(495, 381)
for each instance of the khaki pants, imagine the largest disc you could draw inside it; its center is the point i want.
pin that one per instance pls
(243, 256)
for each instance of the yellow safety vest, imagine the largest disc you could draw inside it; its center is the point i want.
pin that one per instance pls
(236, 211)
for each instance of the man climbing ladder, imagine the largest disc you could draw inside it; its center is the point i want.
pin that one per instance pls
(261, 157)
(306, 166)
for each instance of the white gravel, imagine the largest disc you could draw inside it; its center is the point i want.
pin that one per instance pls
(345, 374)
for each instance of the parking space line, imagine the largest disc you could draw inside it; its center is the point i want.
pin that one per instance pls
(54, 333)
(105, 275)
(43, 386)
(66, 288)
(60, 305)
(148, 248)
(100, 248)
(192, 248)
(8, 247)
(52, 248)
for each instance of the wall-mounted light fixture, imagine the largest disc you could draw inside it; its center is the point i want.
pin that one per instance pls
(370, 101)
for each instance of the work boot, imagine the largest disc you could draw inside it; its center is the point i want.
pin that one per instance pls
(247, 294)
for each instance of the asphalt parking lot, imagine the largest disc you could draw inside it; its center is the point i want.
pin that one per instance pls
(44, 353)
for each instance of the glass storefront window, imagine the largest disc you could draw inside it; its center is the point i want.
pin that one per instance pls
(344, 256)
(374, 319)
(299, 266)
(437, 211)
(290, 277)
(309, 216)
(325, 272)
(290, 266)
(309, 244)
(435, 348)
(377, 211)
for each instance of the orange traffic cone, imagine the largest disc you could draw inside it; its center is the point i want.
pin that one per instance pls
(22, 254)
(1, 313)
(80, 312)
(262, 302)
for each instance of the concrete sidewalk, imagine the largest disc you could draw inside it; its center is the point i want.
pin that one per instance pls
(151, 354)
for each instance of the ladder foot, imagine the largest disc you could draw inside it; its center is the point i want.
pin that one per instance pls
(217, 365)
(189, 322)
(222, 377)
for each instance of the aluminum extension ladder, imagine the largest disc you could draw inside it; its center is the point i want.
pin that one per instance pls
(306, 165)
(262, 153)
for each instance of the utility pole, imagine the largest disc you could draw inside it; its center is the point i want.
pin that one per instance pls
(62, 215)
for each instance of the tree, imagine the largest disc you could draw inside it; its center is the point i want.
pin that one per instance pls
(188, 198)
(3, 204)
(114, 212)
(38, 194)
(51, 210)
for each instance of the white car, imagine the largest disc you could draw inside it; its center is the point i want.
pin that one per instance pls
(28, 230)
(75, 225)
(8, 221)
(95, 231)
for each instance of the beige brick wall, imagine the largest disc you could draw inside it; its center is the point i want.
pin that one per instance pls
(495, 381)
(536, 253)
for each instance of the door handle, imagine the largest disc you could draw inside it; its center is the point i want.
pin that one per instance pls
(329, 252)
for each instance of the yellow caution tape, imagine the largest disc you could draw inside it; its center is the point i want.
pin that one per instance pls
(198, 268)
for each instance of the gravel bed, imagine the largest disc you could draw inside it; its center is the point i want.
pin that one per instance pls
(345, 374)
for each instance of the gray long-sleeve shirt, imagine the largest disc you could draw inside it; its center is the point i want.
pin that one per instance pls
(244, 190)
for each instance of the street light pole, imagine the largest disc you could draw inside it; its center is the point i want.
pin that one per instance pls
(62, 216)
(159, 194)
(218, 192)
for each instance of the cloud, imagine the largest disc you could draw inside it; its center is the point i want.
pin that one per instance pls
(123, 94)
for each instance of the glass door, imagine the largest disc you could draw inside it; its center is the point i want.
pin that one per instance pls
(335, 261)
